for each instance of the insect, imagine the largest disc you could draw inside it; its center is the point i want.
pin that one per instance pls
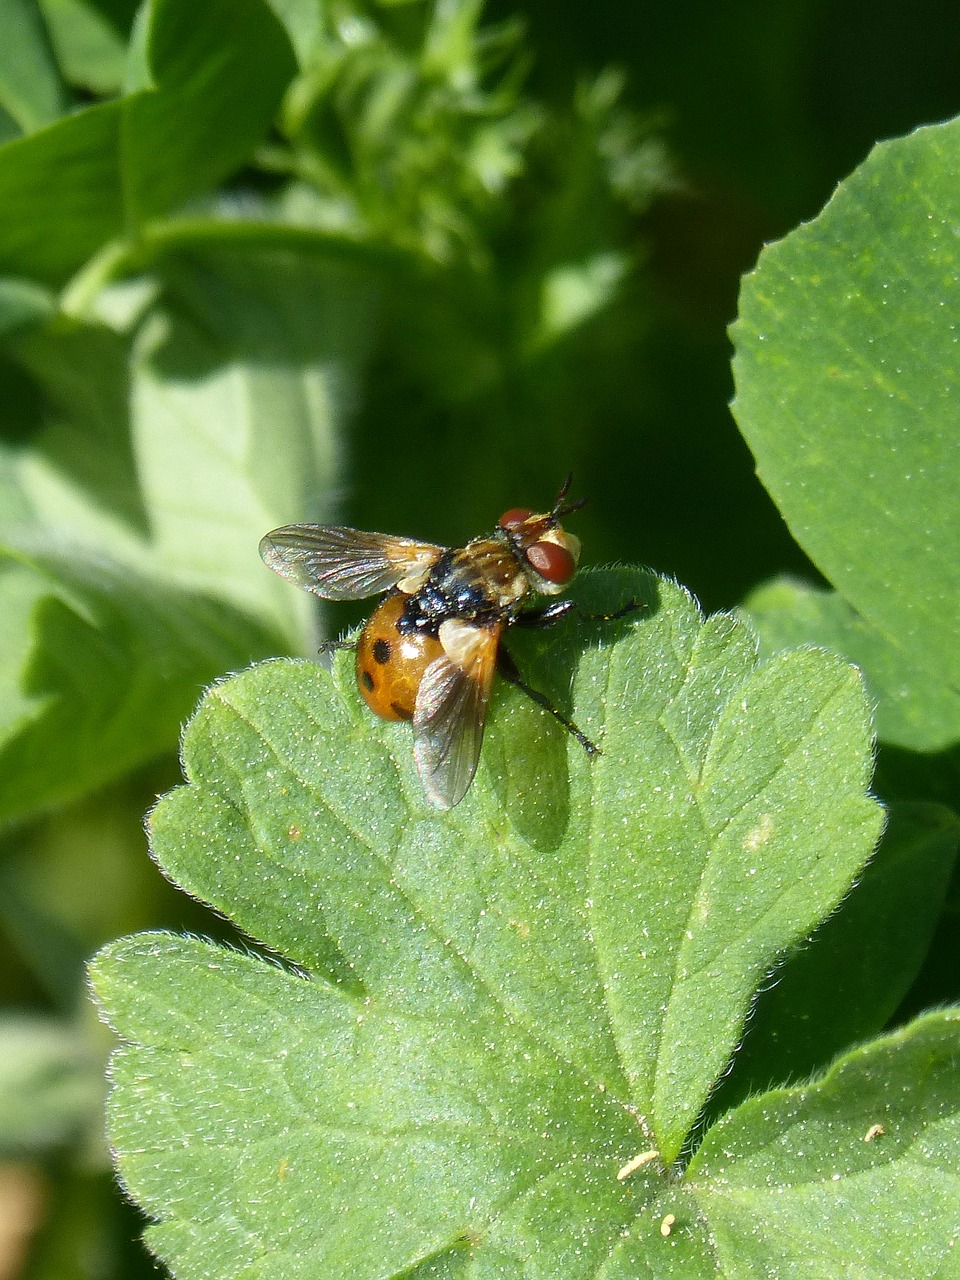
(430, 649)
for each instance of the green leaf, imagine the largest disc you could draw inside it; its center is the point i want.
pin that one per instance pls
(97, 671)
(51, 1085)
(866, 956)
(21, 590)
(510, 1001)
(30, 88)
(854, 1175)
(90, 41)
(303, 21)
(216, 72)
(794, 1185)
(847, 376)
(144, 483)
(23, 304)
(913, 707)
(409, 129)
(242, 380)
(70, 463)
(221, 422)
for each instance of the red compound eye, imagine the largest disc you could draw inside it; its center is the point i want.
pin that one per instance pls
(514, 517)
(553, 562)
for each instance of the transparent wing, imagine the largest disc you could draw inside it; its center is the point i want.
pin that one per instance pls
(451, 711)
(339, 563)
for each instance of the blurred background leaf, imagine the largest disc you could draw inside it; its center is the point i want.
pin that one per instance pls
(207, 83)
(31, 91)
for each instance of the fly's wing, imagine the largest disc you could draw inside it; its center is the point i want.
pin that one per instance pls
(339, 563)
(451, 710)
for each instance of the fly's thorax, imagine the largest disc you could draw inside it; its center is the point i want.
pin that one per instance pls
(493, 565)
(481, 583)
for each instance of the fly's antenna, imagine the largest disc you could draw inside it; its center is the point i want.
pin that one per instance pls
(563, 508)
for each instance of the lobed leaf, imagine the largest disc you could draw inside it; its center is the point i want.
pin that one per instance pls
(846, 982)
(508, 1002)
(853, 1175)
(913, 707)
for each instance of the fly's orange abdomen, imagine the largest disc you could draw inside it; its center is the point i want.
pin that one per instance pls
(390, 666)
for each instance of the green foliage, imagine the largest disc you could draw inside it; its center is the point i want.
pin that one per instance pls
(90, 39)
(161, 423)
(460, 1141)
(529, 997)
(915, 706)
(207, 83)
(876, 1139)
(384, 262)
(112, 663)
(127, 590)
(406, 124)
(847, 374)
(865, 955)
(50, 1085)
(31, 92)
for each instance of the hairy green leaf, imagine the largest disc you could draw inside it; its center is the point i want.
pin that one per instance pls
(509, 1002)
(914, 708)
(847, 375)
(847, 981)
(854, 1175)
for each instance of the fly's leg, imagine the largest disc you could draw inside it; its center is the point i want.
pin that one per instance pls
(332, 646)
(632, 606)
(508, 669)
(548, 614)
